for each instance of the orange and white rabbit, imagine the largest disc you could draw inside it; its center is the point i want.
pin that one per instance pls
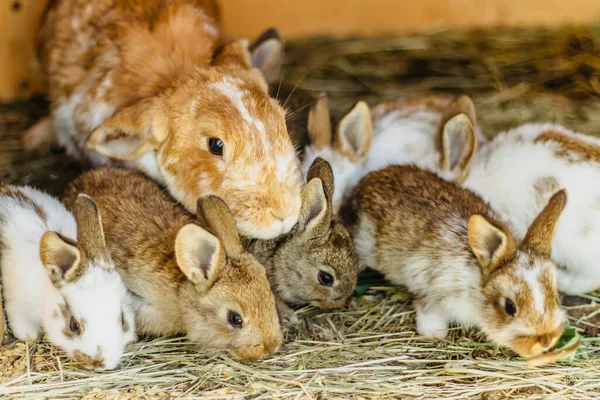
(137, 83)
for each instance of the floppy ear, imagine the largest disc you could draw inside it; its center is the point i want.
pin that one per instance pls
(354, 132)
(61, 258)
(541, 232)
(458, 145)
(489, 243)
(267, 54)
(315, 216)
(199, 255)
(322, 169)
(319, 123)
(90, 235)
(131, 132)
(215, 212)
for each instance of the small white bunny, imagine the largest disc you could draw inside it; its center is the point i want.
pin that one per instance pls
(397, 133)
(69, 290)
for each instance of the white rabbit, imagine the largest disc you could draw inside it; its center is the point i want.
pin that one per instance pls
(519, 170)
(396, 133)
(69, 290)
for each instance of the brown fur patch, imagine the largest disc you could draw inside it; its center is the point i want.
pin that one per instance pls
(17, 195)
(571, 148)
(124, 324)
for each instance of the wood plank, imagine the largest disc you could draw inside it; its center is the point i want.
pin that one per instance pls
(373, 17)
(19, 73)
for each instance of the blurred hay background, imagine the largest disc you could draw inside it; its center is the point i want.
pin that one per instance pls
(369, 350)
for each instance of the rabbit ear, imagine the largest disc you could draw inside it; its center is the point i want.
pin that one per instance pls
(130, 133)
(90, 235)
(61, 258)
(319, 123)
(267, 54)
(489, 243)
(541, 232)
(465, 105)
(315, 214)
(199, 255)
(235, 54)
(354, 132)
(321, 169)
(220, 220)
(458, 145)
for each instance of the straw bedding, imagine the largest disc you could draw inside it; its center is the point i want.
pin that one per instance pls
(369, 350)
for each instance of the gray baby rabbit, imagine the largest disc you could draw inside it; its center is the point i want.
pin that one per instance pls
(457, 258)
(315, 262)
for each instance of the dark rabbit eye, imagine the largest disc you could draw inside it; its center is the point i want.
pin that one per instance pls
(325, 278)
(74, 326)
(216, 146)
(234, 319)
(510, 307)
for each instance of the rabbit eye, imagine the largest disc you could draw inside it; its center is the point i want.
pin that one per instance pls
(75, 326)
(216, 146)
(234, 319)
(510, 307)
(325, 278)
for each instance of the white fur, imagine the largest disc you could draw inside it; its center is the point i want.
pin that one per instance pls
(505, 171)
(32, 301)
(400, 137)
(235, 94)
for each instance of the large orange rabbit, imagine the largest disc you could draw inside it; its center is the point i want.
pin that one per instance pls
(136, 83)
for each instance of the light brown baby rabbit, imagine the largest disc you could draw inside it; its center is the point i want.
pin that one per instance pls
(185, 279)
(457, 258)
(315, 262)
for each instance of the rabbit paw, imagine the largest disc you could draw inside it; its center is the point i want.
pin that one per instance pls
(25, 330)
(287, 316)
(432, 324)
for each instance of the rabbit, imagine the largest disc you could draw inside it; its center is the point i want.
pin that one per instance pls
(518, 170)
(69, 290)
(396, 133)
(457, 258)
(315, 262)
(187, 275)
(137, 84)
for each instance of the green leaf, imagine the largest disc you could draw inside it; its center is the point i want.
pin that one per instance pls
(367, 279)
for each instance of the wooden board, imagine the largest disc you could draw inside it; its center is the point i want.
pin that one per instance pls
(372, 17)
(19, 75)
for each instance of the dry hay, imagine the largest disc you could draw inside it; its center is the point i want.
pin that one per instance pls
(369, 350)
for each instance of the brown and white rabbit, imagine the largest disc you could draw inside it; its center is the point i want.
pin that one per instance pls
(59, 278)
(135, 83)
(315, 262)
(185, 279)
(411, 131)
(457, 258)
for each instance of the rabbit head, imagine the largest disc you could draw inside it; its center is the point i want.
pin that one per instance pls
(521, 308)
(227, 301)
(92, 320)
(317, 262)
(216, 131)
